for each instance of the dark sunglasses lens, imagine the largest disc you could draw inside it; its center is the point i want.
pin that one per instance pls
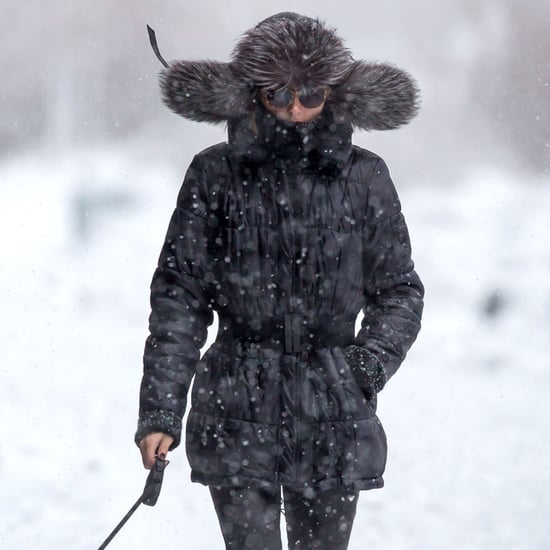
(279, 98)
(312, 99)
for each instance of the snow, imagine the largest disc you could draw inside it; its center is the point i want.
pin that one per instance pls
(466, 416)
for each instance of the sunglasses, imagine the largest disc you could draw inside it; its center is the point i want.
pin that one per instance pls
(309, 99)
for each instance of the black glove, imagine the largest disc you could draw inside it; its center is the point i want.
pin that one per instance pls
(366, 368)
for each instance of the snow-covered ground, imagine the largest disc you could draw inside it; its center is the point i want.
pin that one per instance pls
(466, 416)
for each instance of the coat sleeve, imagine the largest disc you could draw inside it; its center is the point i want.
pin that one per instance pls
(393, 294)
(180, 313)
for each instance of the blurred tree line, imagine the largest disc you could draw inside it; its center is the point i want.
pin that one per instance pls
(514, 85)
(71, 78)
(77, 73)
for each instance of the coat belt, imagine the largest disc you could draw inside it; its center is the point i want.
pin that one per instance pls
(290, 333)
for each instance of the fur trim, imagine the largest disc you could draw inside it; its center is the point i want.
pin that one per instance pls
(367, 369)
(204, 91)
(291, 50)
(159, 421)
(376, 96)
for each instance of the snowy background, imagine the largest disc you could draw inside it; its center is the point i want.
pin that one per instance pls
(90, 165)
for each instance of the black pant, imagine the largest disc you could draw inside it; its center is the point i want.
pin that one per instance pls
(250, 518)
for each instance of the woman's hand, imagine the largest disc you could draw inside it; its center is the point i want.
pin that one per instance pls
(154, 445)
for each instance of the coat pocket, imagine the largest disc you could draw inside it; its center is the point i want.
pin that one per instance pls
(368, 397)
(227, 447)
(371, 448)
(367, 400)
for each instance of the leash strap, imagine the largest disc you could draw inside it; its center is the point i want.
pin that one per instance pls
(149, 496)
(121, 524)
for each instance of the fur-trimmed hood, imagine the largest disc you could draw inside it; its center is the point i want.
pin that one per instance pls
(291, 50)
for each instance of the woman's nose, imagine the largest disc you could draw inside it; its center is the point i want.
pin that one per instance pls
(295, 107)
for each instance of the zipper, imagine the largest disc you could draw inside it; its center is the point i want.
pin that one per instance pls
(293, 303)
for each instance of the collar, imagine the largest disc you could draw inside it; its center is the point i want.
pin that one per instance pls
(320, 145)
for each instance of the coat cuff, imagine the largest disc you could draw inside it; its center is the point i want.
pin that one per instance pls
(159, 421)
(366, 368)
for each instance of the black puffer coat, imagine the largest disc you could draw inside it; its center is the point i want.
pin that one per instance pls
(287, 235)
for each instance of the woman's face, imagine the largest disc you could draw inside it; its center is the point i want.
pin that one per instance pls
(294, 111)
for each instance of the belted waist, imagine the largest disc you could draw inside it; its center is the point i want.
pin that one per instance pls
(290, 333)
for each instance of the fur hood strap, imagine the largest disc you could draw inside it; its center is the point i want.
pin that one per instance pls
(154, 45)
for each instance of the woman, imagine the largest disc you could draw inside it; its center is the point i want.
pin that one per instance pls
(287, 232)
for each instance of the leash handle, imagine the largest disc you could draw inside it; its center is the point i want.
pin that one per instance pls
(153, 484)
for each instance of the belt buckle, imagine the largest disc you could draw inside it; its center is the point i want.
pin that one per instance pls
(294, 332)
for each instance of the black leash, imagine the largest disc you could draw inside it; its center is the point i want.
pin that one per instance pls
(149, 496)
(155, 46)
